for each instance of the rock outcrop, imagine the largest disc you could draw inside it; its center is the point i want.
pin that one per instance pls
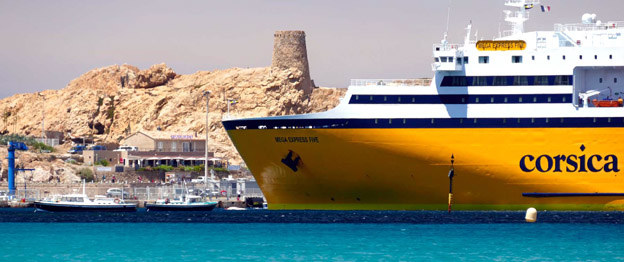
(115, 101)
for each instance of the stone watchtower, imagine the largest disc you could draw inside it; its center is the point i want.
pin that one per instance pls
(289, 50)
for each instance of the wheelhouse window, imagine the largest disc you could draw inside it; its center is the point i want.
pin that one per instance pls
(465, 60)
(521, 81)
(516, 59)
(444, 59)
(500, 81)
(563, 80)
(541, 81)
(479, 81)
(437, 59)
(484, 60)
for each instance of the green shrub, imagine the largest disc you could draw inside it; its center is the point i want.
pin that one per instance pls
(86, 174)
(219, 169)
(102, 162)
(165, 168)
(198, 168)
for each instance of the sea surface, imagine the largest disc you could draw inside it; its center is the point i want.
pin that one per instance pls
(263, 235)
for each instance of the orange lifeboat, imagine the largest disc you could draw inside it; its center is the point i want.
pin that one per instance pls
(607, 103)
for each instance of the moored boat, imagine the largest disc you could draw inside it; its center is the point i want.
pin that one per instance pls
(184, 203)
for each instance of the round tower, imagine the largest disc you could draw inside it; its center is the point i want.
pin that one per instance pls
(289, 50)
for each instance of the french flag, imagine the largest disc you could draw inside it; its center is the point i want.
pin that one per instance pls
(545, 9)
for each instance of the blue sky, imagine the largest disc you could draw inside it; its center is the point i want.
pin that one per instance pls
(46, 44)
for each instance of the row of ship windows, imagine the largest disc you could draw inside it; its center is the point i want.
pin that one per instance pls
(462, 99)
(508, 80)
(486, 59)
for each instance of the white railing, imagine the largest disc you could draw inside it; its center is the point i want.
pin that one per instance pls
(589, 27)
(520, 3)
(391, 82)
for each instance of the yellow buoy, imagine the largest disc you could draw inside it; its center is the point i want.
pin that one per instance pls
(531, 215)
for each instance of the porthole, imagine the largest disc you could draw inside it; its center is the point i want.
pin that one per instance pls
(600, 80)
(581, 57)
(404, 121)
(532, 120)
(596, 57)
(475, 121)
(535, 99)
(548, 57)
(413, 100)
(463, 100)
(594, 120)
(376, 121)
(518, 120)
(399, 99)
(371, 98)
(477, 100)
(609, 120)
(432, 121)
(520, 100)
(390, 121)
(357, 97)
(546, 120)
(562, 120)
(504, 120)
(461, 121)
(385, 98)
(532, 57)
(505, 99)
(549, 99)
(563, 57)
(564, 99)
(492, 100)
(610, 56)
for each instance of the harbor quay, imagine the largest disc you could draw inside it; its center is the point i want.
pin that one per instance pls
(136, 193)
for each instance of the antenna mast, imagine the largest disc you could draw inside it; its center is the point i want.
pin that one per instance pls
(516, 19)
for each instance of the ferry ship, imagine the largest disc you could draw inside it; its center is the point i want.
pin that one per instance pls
(531, 119)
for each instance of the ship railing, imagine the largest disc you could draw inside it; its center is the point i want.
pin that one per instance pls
(391, 82)
(446, 47)
(589, 27)
(520, 3)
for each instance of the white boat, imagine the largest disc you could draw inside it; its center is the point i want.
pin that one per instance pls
(82, 203)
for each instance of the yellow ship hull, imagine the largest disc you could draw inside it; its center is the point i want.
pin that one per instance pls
(406, 169)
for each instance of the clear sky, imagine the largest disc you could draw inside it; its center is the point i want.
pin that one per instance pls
(45, 44)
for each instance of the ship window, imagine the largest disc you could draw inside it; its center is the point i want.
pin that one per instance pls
(357, 97)
(437, 59)
(404, 121)
(450, 59)
(600, 80)
(532, 120)
(615, 80)
(596, 57)
(563, 80)
(444, 59)
(463, 100)
(594, 120)
(519, 101)
(477, 100)
(475, 121)
(399, 100)
(466, 60)
(610, 56)
(454, 81)
(500, 81)
(492, 100)
(564, 99)
(562, 120)
(413, 99)
(390, 121)
(371, 98)
(521, 81)
(541, 80)
(516, 59)
(505, 99)
(385, 98)
(548, 57)
(376, 121)
(609, 120)
(533, 58)
(563, 57)
(461, 121)
(459, 61)
(484, 60)
(549, 99)
(581, 57)
(546, 120)
(432, 121)
(518, 120)
(504, 120)
(535, 99)
(479, 81)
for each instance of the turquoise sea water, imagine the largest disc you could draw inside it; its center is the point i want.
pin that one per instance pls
(246, 240)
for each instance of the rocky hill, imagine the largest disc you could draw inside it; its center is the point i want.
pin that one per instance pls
(114, 101)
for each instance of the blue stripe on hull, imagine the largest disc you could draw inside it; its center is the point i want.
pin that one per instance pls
(77, 208)
(541, 195)
(461, 99)
(269, 123)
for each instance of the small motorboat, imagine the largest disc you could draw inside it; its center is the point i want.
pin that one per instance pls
(82, 203)
(184, 203)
